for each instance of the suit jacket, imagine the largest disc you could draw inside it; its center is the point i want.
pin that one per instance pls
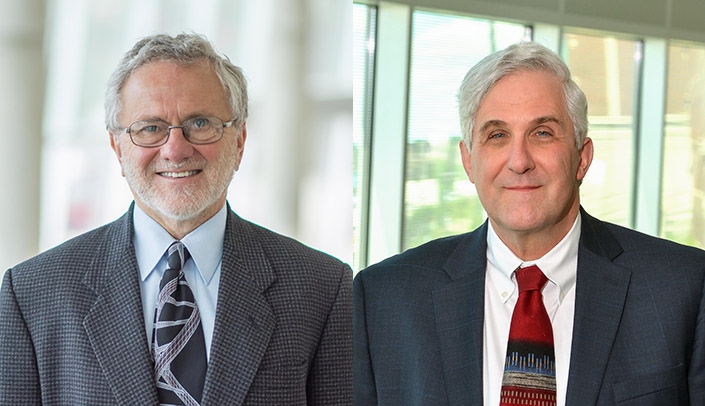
(72, 329)
(638, 335)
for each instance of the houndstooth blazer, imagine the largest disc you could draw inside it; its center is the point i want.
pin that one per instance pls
(72, 329)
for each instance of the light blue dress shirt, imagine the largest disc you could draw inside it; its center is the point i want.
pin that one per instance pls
(202, 271)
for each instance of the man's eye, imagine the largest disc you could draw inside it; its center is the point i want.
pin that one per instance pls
(497, 135)
(200, 123)
(543, 133)
(147, 129)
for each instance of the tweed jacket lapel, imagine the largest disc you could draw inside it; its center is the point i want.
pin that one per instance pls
(459, 309)
(601, 290)
(114, 325)
(244, 321)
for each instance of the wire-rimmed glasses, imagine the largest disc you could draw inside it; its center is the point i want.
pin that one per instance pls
(197, 130)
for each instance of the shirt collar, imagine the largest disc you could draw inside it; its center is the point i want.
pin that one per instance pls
(205, 243)
(559, 264)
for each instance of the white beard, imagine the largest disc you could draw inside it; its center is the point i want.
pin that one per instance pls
(182, 203)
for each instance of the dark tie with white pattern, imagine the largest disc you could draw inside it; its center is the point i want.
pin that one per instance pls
(178, 345)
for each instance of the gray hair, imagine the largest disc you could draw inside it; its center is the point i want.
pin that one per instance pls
(523, 56)
(183, 49)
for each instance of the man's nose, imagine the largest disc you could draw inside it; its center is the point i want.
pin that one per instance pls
(177, 146)
(520, 159)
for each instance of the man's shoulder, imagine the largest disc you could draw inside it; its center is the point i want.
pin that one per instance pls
(301, 272)
(428, 258)
(72, 253)
(649, 245)
(428, 253)
(642, 247)
(281, 249)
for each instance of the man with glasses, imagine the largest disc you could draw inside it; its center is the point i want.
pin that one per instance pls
(180, 301)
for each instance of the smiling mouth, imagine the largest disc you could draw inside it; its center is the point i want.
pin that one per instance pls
(183, 174)
(522, 188)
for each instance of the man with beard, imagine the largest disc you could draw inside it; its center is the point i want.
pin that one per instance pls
(180, 301)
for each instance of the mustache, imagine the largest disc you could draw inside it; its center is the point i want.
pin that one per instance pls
(170, 166)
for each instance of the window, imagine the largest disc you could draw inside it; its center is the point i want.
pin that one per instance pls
(604, 67)
(439, 199)
(363, 67)
(683, 187)
(421, 192)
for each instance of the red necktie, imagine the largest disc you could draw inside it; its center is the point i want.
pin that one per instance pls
(530, 367)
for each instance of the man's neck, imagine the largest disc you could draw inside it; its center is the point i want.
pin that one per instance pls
(530, 245)
(180, 227)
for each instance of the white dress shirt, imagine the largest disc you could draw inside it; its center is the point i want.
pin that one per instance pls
(202, 272)
(501, 292)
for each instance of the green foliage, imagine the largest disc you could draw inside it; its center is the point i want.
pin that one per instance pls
(446, 213)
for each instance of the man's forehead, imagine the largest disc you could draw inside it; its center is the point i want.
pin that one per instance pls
(517, 97)
(491, 123)
(173, 91)
(171, 65)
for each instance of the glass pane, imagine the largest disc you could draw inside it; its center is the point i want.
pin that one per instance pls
(604, 67)
(363, 63)
(683, 198)
(439, 199)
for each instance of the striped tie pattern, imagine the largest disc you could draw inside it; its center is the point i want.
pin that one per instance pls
(530, 367)
(178, 344)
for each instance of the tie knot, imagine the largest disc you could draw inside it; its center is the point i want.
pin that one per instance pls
(177, 255)
(530, 278)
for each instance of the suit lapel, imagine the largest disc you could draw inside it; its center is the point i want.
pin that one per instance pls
(601, 290)
(459, 311)
(244, 321)
(114, 325)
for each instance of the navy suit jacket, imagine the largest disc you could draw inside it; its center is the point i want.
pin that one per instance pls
(72, 327)
(638, 335)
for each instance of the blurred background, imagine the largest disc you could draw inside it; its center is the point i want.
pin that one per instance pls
(641, 64)
(60, 177)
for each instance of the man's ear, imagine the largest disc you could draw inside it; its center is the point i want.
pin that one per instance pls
(240, 146)
(115, 145)
(465, 156)
(586, 155)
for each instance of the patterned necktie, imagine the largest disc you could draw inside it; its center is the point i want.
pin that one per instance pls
(178, 345)
(530, 367)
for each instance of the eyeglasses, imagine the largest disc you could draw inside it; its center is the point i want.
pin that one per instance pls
(197, 130)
